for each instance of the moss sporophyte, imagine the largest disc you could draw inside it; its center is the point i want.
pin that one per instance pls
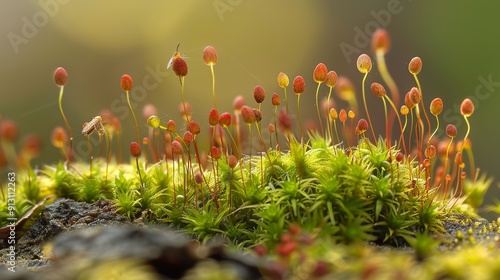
(340, 183)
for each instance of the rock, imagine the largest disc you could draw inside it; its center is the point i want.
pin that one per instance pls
(167, 254)
(90, 241)
(61, 216)
(134, 252)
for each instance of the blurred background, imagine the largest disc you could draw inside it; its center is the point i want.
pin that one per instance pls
(99, 41)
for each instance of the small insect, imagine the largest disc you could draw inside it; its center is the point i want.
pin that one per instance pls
(93, 125)
(176, 55)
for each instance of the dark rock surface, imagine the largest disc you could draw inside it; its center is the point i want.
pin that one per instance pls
(160, 254)
(77, 240)
(61, 216)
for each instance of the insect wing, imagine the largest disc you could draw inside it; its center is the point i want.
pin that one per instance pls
(170, 62)
(174, 57)
(88, 128)
(91, 126)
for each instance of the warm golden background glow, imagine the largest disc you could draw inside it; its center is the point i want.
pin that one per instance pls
(98, 41)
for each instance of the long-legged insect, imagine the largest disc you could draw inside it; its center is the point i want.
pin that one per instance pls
(88, 129)
(93, 125)
(176, 55)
